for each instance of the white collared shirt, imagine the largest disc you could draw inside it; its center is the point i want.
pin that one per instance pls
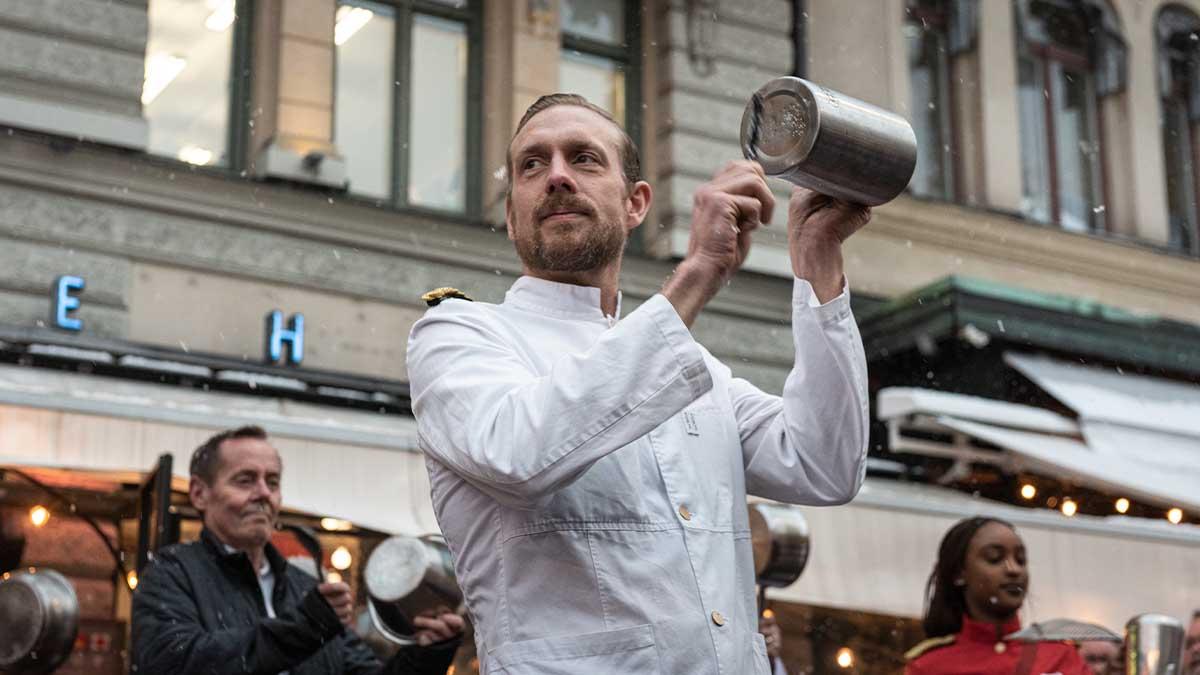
(590, 476)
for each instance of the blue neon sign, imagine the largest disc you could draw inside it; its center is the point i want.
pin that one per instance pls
(276, 335)
(62, 302)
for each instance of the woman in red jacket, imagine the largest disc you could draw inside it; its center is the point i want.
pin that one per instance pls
(978, 584)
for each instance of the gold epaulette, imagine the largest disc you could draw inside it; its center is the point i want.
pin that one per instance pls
(434, 297)
(926, 645)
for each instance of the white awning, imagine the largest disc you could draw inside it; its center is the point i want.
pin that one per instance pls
(347, 464)
(1155, 466)
(1148, 420)
(1112, 396)
(875, 554)
(1059, 456)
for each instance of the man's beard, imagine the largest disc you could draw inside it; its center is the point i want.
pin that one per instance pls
(603, 241)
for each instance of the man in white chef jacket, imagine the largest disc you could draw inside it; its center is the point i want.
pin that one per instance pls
(590, 471)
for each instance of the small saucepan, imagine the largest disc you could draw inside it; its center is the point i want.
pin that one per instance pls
(405, 577)
(39, 619)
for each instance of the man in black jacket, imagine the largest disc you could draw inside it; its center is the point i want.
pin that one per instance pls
(230, 603)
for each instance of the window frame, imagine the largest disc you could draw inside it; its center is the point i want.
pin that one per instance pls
(628, 55)
(1044, 55)
(240, 110)
(938, 19)
(1179, 95)
(404, 14)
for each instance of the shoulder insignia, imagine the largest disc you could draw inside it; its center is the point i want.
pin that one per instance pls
(928, 645)
(436, 296)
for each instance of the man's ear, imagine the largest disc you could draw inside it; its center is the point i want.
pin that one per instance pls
(198, 493)
(637, 204)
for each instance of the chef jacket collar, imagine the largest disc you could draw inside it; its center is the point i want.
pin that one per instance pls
(558, 299)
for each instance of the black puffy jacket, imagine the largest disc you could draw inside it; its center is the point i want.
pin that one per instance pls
(199, 610)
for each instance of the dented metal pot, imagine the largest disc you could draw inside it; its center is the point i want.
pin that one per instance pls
(829, 142)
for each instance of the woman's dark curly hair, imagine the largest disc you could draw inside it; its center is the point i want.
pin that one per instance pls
(945, 603)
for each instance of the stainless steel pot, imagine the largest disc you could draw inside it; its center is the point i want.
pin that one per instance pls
(39, 619)
(780, 539)
(1153, 645)
(405, 577)
(828, 142)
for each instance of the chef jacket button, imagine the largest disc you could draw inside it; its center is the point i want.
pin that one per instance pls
(684, 513)
(718, 618)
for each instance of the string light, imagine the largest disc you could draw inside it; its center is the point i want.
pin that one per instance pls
(341, 558)
(1028, 491)
(845, 657)
(1175, 516)
(768, 613)
(131, 579)
(1121, 505)
(336, 524)
(333, 577)
(1069, 507)
(38, 515)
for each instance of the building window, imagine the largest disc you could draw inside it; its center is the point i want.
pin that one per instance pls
(599, 48)
(188, 87)
(404, 119)
(1178, 32)
(928, 32)
(1069, 56)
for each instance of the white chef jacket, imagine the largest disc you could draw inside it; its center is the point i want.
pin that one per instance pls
(590, 475)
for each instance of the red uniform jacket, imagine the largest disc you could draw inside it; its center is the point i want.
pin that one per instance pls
(979, 649)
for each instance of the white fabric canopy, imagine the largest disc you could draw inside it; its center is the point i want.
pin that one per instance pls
(1148, 420)
(357, 466)
(1155, 462)
(1109, 395)
(875, 554)
(1059, 456)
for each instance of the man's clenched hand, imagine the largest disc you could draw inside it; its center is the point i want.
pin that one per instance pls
(725, 211)
(337, 594)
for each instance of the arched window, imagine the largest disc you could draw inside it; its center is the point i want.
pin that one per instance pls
(1070, 55)
(937, 33)
(1178, 32)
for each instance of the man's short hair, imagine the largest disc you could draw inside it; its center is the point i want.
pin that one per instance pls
(207, 458)
(627, 151)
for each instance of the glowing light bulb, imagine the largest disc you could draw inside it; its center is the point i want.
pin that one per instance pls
(341, 558)
(131, 579)
(1069, 507)
(336, 524)
(845, 657)
(38, 515)
(1175, 516)
(768, 613)
(1028, 491)
(1121, 505)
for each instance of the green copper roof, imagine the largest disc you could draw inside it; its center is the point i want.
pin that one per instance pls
(1045, 320)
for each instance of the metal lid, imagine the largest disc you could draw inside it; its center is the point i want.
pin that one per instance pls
(396, 567)
(22, 618)
(780, 124)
